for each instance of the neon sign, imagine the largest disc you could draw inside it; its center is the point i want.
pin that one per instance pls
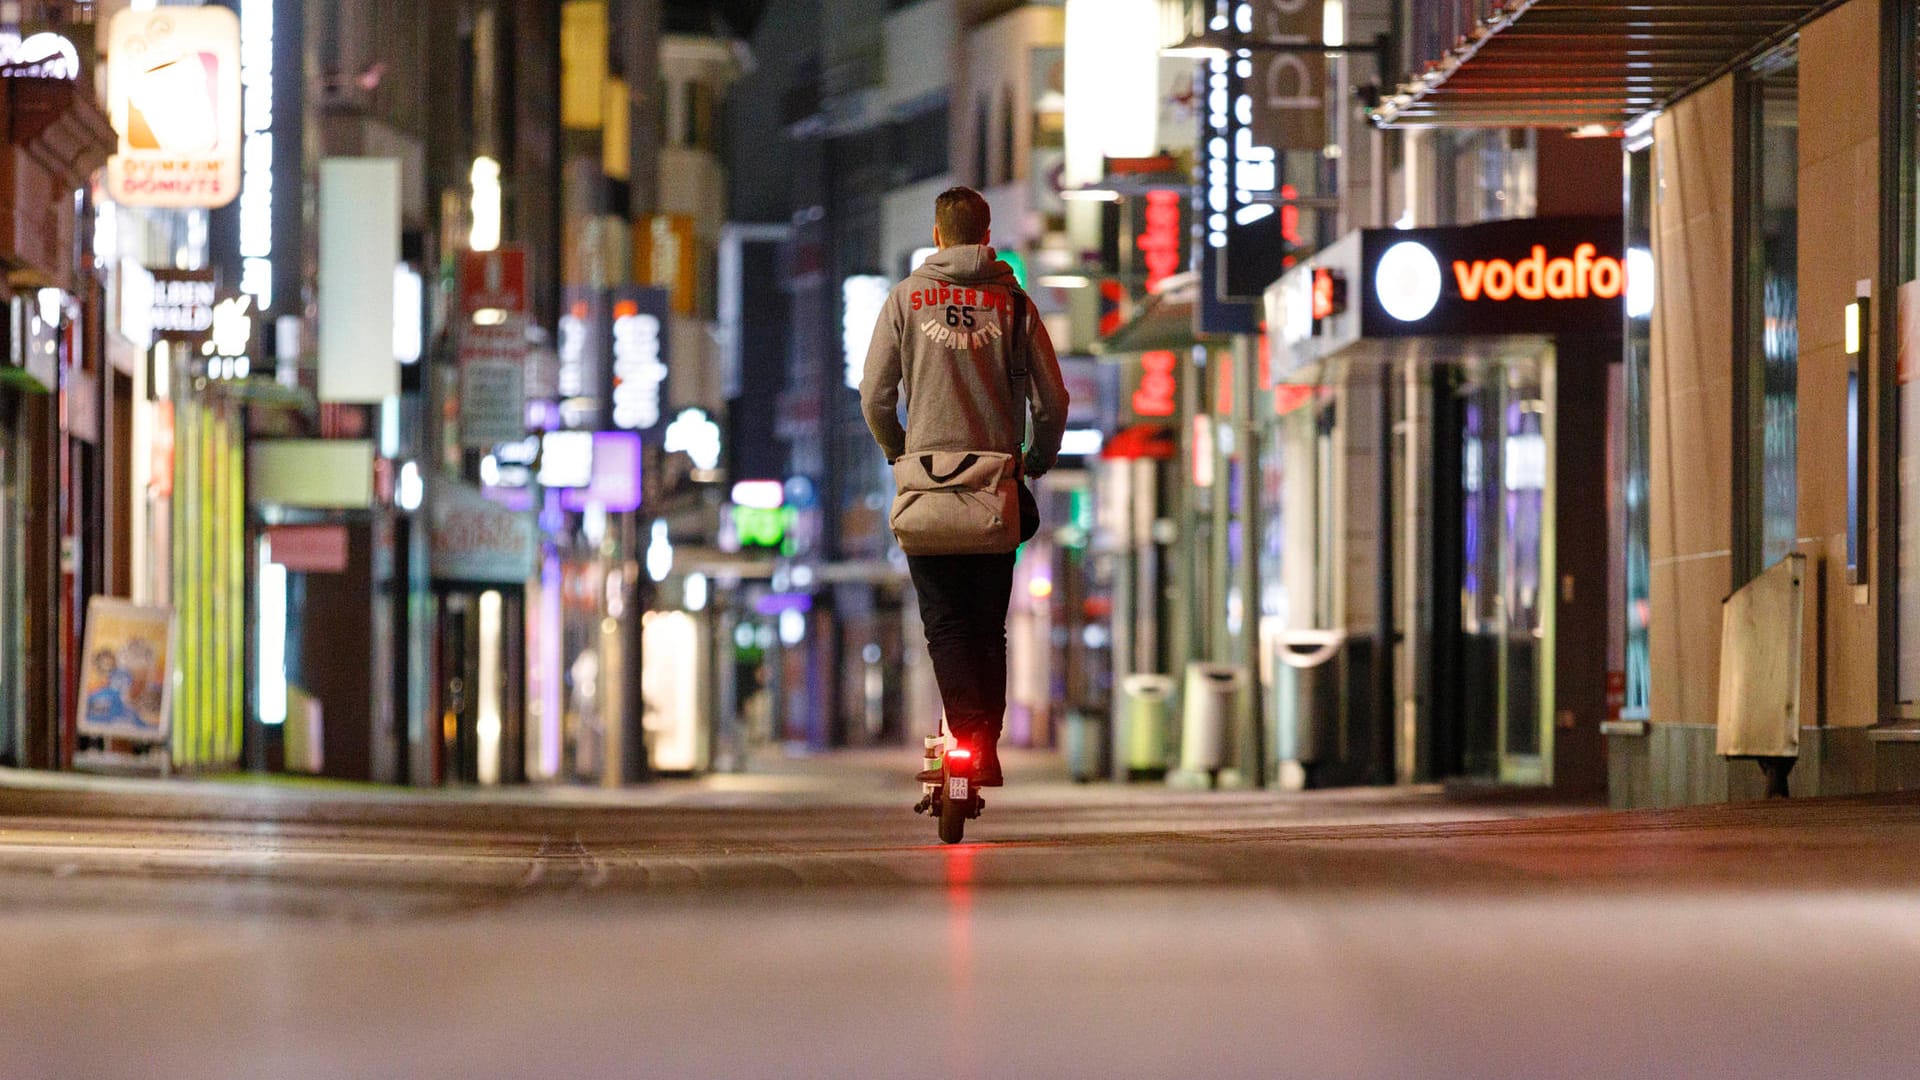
(638, 369)
(174, 83)
(1517, 276)
(1540, 278)
(1160, 243)
(1154, 397)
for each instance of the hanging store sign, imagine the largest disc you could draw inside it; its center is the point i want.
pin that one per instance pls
(309, 549)
(45, 55)
(694, 434)
(1155, 394)
(493, 281)
(492, 363)
(474, 540)
(666, 254)
(174, 96)
(135, 303)
(1162, 243)
(359, 224)
(581, 352)
(638, 372)
(183, 306)
(566, 459)
(1528, 276)
(613, 479)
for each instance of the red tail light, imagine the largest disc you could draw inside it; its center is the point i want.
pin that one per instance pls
(959, 754)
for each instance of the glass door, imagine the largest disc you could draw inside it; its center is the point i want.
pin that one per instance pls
(1506, 547)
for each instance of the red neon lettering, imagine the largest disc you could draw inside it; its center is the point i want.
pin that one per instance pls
(1155, 394)
(1159, 242)
(1537, 277)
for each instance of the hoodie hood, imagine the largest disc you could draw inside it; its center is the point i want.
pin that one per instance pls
(967, 264)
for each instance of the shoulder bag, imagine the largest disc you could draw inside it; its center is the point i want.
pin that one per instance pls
(968, 502)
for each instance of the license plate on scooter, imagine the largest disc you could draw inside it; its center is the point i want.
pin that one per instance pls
(956, 787)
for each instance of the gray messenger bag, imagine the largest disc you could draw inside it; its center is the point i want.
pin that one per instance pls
(956, 502)
(967, 502)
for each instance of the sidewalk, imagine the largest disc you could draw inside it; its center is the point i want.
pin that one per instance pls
(872, 784)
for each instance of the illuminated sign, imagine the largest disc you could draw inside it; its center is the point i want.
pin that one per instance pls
(639, 357)
(1162, 245)
(761, 527)
(1154, 397)
(579, 352)
(183, 304)
(1329, 293)
(136, 303)
(256, 189)
(485, 203)
(1539, 278)
(566, 459)
(694, 434)
(666, 253)
(1407, 281)
(493, 280)
(1521, 276)
(174, 96)
(759, 494)
(613, 482)
(409, 312)
(861, 298)
(43, 56)
(227, 339)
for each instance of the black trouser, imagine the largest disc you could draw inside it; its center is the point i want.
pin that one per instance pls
(963, 603)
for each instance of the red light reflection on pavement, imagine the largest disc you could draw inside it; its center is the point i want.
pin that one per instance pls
(962, 1026)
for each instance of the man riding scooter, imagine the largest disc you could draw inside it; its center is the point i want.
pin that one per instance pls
(972, 356)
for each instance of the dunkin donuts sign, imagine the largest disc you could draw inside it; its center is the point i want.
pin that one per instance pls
(1525, 276)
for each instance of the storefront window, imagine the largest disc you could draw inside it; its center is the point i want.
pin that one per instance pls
(1771, 387)
(11, 703)
(1637, 582)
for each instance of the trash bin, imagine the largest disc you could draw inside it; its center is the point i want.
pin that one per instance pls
(1086, 746)
(1210, 716)
(1148, 713)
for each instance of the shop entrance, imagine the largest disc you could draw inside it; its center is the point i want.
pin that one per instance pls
(1493, 549)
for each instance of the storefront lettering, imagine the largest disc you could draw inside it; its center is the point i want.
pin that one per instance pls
(1540, 278)
(1161, 245)
(1155, 394)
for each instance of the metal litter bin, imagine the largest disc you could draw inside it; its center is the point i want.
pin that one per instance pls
(1210, 712)
(1148, 704)
(1086, 746)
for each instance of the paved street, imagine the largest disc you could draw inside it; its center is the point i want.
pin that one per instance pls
(799, 922)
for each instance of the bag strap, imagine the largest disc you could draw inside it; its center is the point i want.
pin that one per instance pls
(968, 462)
(1016, 348)
(1017, 367)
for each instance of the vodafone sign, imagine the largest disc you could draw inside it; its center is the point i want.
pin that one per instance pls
(1526, 276)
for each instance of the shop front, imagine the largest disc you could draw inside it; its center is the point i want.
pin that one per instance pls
(1441, 593)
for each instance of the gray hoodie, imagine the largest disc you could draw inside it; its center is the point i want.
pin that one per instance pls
(944, 335)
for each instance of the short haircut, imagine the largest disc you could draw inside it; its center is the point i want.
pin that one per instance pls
(962, 216)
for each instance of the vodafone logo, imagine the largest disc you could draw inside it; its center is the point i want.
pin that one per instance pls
(1539, 278)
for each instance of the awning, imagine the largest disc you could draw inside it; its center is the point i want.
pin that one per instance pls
(1572, 63)
(1164, 321)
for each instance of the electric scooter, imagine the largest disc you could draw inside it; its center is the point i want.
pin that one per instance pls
(947, 788)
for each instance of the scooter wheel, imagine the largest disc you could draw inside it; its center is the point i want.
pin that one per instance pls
(953, 820)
